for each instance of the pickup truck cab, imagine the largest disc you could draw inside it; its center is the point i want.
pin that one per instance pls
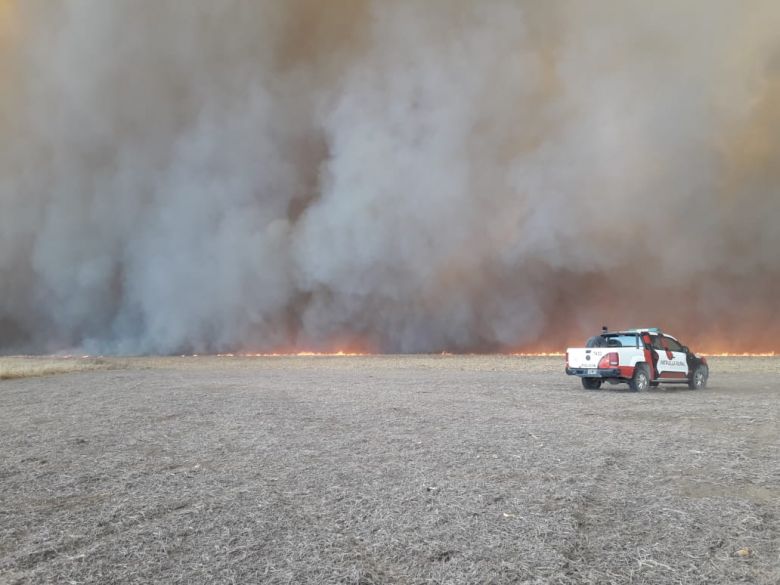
(641, 358)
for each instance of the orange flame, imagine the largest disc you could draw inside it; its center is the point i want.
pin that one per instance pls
(745, 354)
(296, 354)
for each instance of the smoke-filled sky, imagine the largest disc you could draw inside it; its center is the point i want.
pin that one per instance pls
(399, 176)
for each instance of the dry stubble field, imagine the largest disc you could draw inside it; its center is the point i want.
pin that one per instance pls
(387, 470)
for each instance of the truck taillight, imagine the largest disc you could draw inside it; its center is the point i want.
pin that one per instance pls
(610, 360)
(567, 359)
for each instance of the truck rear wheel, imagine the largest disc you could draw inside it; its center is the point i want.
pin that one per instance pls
(591, 383)
(640, 381)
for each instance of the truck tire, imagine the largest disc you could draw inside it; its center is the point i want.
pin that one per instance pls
(698, 379)
(591, 383)
(640, 381)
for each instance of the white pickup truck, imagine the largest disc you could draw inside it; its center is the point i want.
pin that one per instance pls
(641, 357)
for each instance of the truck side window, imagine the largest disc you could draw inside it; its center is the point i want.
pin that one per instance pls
(657, 342)
(673, 345)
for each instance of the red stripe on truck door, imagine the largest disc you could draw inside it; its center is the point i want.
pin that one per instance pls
(649, 356)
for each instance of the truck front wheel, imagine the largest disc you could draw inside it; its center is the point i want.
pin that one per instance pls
(698, 379)
(591, 383)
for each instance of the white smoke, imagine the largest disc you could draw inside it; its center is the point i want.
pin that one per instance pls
(400, 176)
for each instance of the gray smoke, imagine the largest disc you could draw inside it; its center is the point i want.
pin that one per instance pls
(389, 175)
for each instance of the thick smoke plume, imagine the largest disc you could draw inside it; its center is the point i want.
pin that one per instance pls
(400, 175)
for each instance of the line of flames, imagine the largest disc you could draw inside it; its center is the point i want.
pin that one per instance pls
(294, 354)
(365, 354)
(449, 354)
(746, 354)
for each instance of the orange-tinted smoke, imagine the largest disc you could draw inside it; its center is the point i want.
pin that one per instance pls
(404, 177)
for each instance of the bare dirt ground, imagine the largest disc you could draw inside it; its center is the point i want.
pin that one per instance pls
(387, 470)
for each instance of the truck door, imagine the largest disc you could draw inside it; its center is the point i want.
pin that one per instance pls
(672, 361)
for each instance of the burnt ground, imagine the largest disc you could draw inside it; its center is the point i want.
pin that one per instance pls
(387, 470)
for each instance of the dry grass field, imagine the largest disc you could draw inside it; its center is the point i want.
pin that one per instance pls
(12, 368)
(387, 470)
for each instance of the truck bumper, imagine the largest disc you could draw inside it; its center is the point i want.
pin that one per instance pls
(594, 372)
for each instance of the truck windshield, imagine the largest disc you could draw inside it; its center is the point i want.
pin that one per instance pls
(621, 341)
